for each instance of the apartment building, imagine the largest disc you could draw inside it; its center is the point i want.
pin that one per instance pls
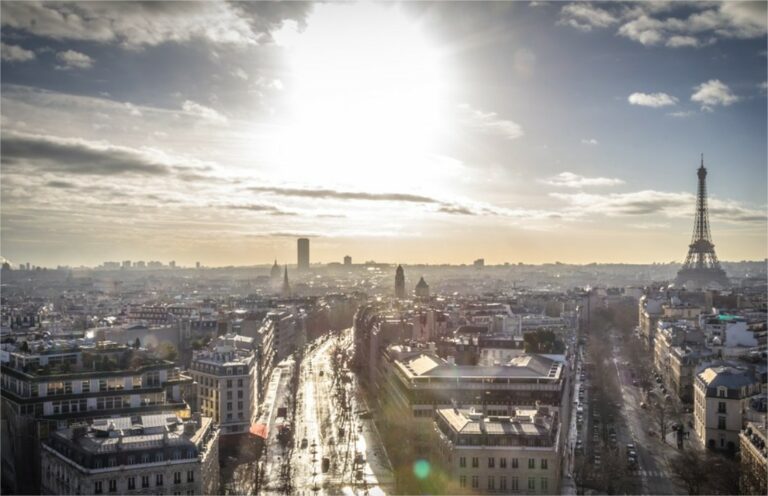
(678, 351)
(721, 397)
(143, 454)
(226, 374)
(511, 454)
(753, 444)
(47, 384)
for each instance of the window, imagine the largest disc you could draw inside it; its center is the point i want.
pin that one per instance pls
(531, 463)
(514, 463)
(159, 479)
(229, 406)
(97, 487)
(190, 476)
(531, 484)
(190, 492)
(159, 457)
(721, 422)
(515, 484)
(544, 485)
(491, 483)
(239, 405)
(229, 395)
(502, 462)
(144, 481)
(475, 482)
(240, 394)
(177, 477)
(475, 462)
(229, 383)
(503, 483)
(543, 463)
(462, 481)
(113, 485)
(462, 462)
(491, 462)
(145, 458)
(239, 383)
(85, 386)
(131, 483)
(721, 407)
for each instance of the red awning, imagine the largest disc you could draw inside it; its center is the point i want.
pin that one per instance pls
(259, 430)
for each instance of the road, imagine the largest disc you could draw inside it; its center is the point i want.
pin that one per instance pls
(328, 419)
(652, 453)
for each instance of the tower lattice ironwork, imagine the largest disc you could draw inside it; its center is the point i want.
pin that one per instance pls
(701, 268)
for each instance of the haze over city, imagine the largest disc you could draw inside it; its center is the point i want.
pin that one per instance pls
(400, 132)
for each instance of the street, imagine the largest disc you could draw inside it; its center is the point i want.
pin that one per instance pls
(329, 426)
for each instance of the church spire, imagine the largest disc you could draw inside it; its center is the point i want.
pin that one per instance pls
(286, 285)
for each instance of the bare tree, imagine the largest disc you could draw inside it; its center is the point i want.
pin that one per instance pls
(689, 467)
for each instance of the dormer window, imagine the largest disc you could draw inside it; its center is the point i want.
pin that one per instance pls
(722, 392)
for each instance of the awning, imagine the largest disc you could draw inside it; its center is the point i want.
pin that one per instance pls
(259, 429)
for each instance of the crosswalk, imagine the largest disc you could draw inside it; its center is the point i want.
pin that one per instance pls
(648, 473)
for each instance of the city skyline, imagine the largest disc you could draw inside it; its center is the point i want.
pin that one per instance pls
(222, 132)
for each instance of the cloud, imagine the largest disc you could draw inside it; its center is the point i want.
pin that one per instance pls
(61, 185)
(585, 16)
(654, 100)
(650, 202)
(456, 210)
(571, 180)
(673, 24)
(713, 93)
(15, 53)
(73, 156)
(256, 207)
(137, 24)
(681, 114)
(203, 112)
(74, 60)
(490, 122)
(589, 141)
(678, 41)
(344, 195)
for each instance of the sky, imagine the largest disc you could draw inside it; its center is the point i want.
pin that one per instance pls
(411, 132)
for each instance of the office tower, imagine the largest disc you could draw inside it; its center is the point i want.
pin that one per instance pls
(303, 246)
(399, 282)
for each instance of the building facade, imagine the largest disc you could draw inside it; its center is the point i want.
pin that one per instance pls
(52, 383)
(227, 382)
(753, 444)
(515, 454)
(147, 454)
(721, 396)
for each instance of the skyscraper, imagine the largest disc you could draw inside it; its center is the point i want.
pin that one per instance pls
(701, 268)
(399, 282)
(303, 246)
(347, 260)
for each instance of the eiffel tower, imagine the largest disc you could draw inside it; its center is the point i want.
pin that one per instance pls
(701, 268)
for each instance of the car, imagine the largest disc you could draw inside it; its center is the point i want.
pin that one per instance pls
(643, 405)
(304, 443)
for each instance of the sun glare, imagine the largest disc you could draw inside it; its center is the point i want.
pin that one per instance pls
(366, 100)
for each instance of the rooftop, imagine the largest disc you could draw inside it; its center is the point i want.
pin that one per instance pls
(139, 432)
(523, 423)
